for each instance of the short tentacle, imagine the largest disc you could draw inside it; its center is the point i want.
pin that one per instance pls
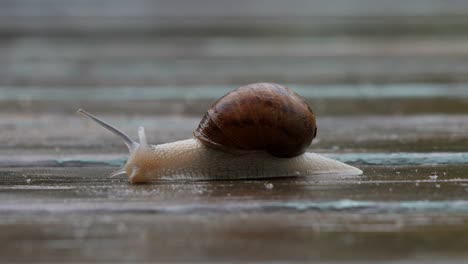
(121, 171)
(142, 137)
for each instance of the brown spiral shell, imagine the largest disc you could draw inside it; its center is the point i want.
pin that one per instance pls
(259, 116)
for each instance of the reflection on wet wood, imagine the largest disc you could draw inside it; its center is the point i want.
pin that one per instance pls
(81, 214)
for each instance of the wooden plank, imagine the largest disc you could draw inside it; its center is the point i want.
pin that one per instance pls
(117, 49)
(157, 61)
(203, 8)
(208, 17)
(236, 70)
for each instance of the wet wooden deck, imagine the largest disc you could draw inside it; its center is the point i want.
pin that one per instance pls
(388, 83)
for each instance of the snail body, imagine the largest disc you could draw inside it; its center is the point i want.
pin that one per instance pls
(268, 139)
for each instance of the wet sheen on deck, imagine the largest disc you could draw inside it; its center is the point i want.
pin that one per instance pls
(388, 87)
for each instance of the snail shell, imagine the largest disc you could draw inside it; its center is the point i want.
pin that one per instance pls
(259, 116)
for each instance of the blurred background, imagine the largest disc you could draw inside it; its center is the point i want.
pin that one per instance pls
(89, 51)
(162, 63)
(150, 59)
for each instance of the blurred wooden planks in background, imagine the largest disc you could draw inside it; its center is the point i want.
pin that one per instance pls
(227, 18)
(105, 42)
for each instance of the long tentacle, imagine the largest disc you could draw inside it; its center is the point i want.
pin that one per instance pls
(131, 145)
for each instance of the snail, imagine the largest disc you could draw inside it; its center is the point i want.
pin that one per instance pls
(260, 130)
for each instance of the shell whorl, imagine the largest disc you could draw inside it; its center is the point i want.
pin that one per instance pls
(259, 116)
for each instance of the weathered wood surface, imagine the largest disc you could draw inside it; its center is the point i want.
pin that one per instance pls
(387, 81)
(81, 214)
(224, 18)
